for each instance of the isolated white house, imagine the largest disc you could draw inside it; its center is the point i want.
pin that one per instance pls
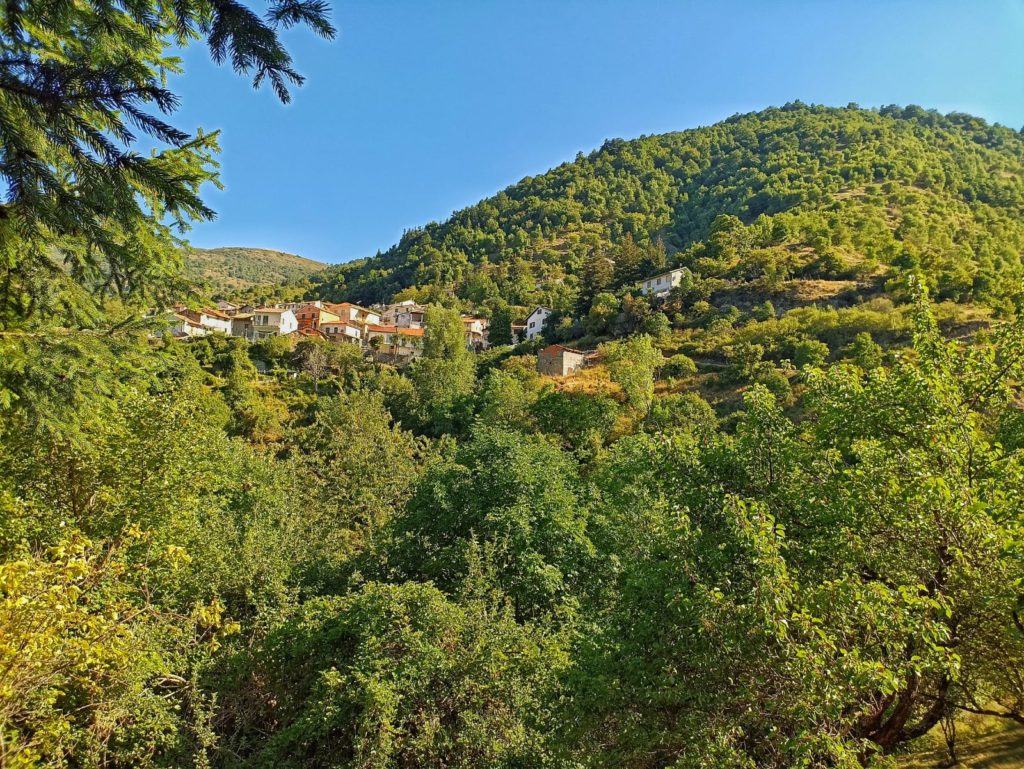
(662, 283)
(535, 322)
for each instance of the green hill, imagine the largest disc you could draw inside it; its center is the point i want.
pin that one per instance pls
(233, 269)
(800, 204)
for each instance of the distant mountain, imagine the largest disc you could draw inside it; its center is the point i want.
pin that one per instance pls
(232, 268)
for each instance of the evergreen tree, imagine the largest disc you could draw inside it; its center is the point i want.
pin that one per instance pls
(77, 81)
(500, 330)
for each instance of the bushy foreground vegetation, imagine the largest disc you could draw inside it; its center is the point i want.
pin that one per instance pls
(206, 566)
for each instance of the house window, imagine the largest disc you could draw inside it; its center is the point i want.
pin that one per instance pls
(531, 324)
(659, 281)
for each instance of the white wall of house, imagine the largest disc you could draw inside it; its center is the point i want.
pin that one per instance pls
(214, 323)
(183, 327)
(342, 331)
(289, 322)
(661, 284)
(535, 322)
(280, 322)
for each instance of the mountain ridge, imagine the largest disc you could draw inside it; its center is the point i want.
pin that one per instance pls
(226, 269)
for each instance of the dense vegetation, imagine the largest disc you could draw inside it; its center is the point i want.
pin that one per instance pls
(759, 533)
(227, 271)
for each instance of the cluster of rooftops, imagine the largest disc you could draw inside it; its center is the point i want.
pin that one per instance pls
(393, 330)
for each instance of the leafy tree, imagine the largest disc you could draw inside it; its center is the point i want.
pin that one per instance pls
(809, 352)
(365, 467)
(632, 364)
(603, 310)
(506, 400)
(91, 665)
(582, 421)
(356, 681)
(513, 496)
(683, 411)
(444, 376)
(598, 276)
(678, 365)
(865, 352)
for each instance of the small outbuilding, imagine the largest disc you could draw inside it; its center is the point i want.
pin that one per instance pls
(558, 360)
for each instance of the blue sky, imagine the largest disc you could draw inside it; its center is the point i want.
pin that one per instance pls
(418, 109)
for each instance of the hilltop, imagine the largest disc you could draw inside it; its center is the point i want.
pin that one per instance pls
(797, 204)
(235, 268)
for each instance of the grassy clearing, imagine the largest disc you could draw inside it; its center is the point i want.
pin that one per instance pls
(982, 743)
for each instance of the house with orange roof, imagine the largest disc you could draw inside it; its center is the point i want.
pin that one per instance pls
(353, 312)
(394, 343)
(312, 316)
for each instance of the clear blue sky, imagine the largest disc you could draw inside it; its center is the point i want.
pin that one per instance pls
(420, 108)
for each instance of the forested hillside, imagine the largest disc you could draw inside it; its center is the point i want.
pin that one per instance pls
(229, 270)
(847, 198)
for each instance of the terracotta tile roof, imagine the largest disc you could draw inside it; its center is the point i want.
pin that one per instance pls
(332, 305)
(554, 349)
(183, 319)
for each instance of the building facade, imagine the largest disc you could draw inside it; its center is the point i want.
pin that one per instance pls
(535, 322)
(659, 285)
(558, 360)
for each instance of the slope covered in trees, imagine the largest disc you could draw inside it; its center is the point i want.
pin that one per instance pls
(797, 193)
(232, 269)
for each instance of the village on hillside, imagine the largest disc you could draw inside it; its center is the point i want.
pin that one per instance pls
(390, 333)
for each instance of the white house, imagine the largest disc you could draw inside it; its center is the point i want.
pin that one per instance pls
(273, 321)
(342, 331)
(183, 327)
(535, 322)
(208, 318)
(661, 284)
